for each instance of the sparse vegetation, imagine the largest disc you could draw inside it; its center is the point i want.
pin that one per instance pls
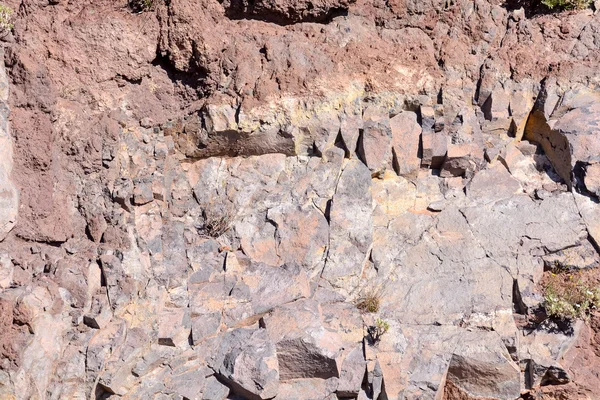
(5, 19)
(567, 4)
(378, 330)
(567, 296)
(216, 221)
(369, 300)
(140, 6)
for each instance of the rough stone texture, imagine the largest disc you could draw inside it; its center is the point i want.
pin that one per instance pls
(206, 189)
(247, 359)
(9, 197)
(406, 133)
(351, 227)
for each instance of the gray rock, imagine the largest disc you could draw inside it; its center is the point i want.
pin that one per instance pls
(260, 288)
(323, 130)
(406, 136)
(189, 380)
(495, 176)
(246, 359)
(541, 353)
(9, 199)
(308, 389)
(302, 235)
(100, 313)
(305, 348)
(590, 213)
(351, 226)
(7, 270)
(351, 125)
(117, 375)
(427, 115)
(435, 148)
(142, 191)
(352, 374)
(481, 367)
(214, 390)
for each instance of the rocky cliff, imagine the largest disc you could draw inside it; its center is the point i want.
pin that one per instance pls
(297, 199)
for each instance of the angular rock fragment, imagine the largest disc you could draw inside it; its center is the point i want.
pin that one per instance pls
(263, 287)
(142, 191)
(521, 102)
(305, 349)
(481, 367)
(322, 130)
(214, 390)
(590, 213)
(117, 376)
(497, 104)
(350, 127)
(461, 159)
(189, 380)
(308, 389)
(352, 373)
(246, 359)
(592, 178)
(427, 115)
(174, 327)
(541, 354)
(497, 177)
(435, 148)
(100, 312)
(220, 118)
(375, 143)
(406, 136)
(302, 235)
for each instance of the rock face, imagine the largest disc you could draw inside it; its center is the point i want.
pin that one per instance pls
(9, 198)
(198, 198)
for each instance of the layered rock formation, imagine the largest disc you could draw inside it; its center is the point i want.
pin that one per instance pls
(193, 198)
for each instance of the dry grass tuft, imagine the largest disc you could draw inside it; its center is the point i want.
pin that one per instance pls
(217, 222)
(369, 300)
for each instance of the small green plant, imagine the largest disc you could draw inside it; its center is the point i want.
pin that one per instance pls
(5, 18)
(140, 6)
(378, 330)
(567, 4)
(369, 301)
(568, 297)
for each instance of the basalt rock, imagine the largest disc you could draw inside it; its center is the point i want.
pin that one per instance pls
(296, 199)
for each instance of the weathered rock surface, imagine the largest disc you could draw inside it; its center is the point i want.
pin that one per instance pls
(193, 199)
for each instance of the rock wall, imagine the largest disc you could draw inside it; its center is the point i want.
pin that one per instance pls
(206, 189)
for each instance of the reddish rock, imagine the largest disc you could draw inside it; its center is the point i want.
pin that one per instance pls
(375, 143)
